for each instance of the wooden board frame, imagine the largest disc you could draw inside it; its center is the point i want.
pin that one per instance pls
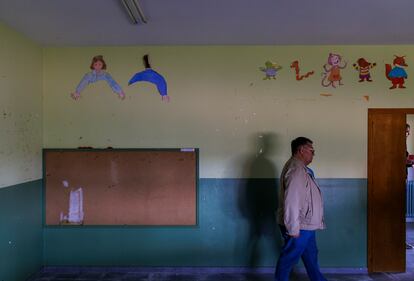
(195, 151)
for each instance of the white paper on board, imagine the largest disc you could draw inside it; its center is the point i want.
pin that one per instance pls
(76, 206)
(187, 149)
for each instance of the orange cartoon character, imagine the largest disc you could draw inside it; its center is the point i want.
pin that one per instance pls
(332, 72)
(396, 74)
(364, 67)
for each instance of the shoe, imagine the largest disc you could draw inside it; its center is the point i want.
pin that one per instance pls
(408, 246)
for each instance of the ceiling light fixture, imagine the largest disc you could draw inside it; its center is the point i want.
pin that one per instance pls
(134, 11)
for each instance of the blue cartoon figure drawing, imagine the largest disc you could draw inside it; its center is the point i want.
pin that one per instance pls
(270, 70)
(397, 73)
(151, 76)
(98, 73)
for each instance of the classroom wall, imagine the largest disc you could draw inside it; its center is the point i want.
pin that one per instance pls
(236, 228)
(221, 104)
(20, 108)
(243, 126)
(21, 233)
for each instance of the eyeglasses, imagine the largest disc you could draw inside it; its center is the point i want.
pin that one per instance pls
(310, 149)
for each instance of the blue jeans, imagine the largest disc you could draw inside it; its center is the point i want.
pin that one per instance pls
(304, 246)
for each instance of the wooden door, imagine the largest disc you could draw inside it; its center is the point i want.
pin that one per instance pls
(386, 190)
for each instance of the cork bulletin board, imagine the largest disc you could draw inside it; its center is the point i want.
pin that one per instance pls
(120, 186)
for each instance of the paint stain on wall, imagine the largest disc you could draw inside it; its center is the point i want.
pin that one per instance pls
(6, 114)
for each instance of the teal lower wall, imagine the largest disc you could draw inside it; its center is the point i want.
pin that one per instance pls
(236, 228)
(21, 231)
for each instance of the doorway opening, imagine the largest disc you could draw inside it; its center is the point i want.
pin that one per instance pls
(409, 211)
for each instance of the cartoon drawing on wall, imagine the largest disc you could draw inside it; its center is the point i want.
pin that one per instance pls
(364, 68)
(150, 75)
(396, 74)
(332, 72)
(98, 73)
(75, 215)
(270, 69)
(295, 65)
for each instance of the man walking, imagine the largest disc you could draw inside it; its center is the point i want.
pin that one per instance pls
(300, 213)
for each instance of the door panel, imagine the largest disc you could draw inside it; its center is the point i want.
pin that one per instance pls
(386, 191)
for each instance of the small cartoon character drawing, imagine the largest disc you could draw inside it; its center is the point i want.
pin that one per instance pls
(151, 76)
(363, 67)
(332, 72)
(270, 70)
(295, 65)
(98, 73)
(396, 74)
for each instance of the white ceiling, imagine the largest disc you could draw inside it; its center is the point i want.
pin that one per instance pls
(213, 22)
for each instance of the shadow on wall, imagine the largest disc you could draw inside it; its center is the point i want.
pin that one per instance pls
(258, 200)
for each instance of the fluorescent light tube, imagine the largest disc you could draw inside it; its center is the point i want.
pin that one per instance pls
(129, 11)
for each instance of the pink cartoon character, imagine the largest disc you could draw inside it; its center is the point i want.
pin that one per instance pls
(332, 72)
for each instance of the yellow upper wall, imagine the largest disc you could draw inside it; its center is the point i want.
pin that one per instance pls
(20, 108)
(221, 104)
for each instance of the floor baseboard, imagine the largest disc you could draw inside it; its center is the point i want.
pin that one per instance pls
(195, 270)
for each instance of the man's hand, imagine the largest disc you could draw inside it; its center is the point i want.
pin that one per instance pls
(295, 236)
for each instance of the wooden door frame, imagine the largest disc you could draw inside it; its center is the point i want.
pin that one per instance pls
(370, 213)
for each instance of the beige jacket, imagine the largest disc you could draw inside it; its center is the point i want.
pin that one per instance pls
(300, 199)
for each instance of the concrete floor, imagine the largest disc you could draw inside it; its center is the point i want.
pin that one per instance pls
(215, 274)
